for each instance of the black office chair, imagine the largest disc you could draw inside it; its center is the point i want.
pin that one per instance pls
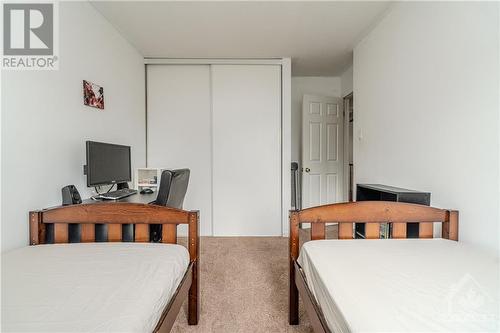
(171, 193)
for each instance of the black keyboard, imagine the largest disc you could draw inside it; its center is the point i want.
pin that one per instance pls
(119, 194)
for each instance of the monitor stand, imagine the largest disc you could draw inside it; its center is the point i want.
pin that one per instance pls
(121, 186)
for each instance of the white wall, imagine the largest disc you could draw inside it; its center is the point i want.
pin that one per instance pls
(323, 86)
(45, 124)
(346, 81)
(426, 101)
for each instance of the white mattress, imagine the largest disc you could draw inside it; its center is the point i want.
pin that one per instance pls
(411, 285)
(93, 287)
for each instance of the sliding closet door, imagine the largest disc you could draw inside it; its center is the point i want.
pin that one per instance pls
(179, 130)
(246, 117)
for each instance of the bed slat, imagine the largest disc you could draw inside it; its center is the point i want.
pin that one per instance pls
(399, 230)
(346, 230)
(169, 233)
(87, 233)
(114, 232)
(60, 233)
(317, 231)
(141, 233)
(372, 230)
(425, 230)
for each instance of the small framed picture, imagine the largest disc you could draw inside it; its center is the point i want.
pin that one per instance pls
(93, 95)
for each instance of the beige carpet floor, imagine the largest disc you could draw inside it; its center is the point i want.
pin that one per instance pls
(244, 286)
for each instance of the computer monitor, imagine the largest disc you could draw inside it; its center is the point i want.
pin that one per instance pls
(107, 164)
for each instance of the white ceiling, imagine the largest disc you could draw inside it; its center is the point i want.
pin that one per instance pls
(318, 36)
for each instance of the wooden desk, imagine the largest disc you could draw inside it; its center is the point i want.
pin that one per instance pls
(134, 198)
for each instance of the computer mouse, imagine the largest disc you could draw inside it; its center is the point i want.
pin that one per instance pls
(146, 191)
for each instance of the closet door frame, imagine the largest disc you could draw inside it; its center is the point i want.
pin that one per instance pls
(286, 130)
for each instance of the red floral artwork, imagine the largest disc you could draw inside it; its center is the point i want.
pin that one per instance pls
(93, 95)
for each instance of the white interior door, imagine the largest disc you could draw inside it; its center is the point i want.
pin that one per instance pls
(322, 150)
(179, 130)
(246, 150)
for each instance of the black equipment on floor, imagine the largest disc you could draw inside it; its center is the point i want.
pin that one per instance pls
(295, 186)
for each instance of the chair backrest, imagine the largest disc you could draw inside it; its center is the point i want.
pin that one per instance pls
(178, 188)
(164, 188)
(173, 188)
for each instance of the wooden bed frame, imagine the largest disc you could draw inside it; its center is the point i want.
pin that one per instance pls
(345, 214)
(117, 214)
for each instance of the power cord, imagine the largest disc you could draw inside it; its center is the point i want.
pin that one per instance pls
(109, 190)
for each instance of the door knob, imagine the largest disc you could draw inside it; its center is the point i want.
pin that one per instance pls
(307, 169)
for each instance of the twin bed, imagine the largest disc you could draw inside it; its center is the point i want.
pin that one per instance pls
(391, 285)
(101, 287)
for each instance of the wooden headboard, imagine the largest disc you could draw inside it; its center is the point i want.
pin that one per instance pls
(373, 213)
(116, 215)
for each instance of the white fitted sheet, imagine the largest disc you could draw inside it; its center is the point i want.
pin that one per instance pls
(92, 287)
(410, 285)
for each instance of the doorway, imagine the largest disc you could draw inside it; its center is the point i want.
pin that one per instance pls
(322, 150)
